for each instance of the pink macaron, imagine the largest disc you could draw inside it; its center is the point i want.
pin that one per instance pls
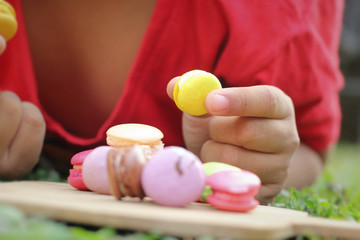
(173, 177)
(233, 190)
(95, 171)
(75, 178)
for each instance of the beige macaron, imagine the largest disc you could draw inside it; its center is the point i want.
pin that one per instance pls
(130, 134)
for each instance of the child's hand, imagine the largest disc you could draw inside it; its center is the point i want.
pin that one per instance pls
(2, 44)
(252, 128)
(22, 129)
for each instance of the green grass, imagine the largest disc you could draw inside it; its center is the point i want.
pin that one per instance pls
(335, 195)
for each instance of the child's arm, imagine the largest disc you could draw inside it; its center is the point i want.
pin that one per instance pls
(306, 165)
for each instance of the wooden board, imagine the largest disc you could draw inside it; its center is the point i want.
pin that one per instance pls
(60, 201)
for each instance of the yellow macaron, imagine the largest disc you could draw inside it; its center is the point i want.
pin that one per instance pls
(191, 90)
(8, 23)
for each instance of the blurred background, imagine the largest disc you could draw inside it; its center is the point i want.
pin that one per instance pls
(350, 66)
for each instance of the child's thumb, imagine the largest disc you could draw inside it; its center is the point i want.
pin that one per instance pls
(195, 131)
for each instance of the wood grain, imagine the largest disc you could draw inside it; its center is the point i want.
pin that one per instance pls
(60, 201)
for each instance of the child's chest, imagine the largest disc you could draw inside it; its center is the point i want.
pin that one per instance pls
(82, 52)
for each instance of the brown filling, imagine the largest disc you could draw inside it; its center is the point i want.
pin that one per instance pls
(112, 175)
(125, 167)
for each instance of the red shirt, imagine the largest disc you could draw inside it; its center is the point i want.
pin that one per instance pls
(289, 44)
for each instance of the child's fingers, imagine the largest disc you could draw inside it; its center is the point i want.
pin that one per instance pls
(257, 101)
(10, 117)
(267, 192)
(2, 44)
(170, 87)
(22, 129)
(258, 134)
(271, 168)
(25, 149)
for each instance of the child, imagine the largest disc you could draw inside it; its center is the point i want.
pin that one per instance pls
(88, 65)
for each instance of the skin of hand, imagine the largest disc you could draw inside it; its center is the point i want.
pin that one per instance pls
(253, 128)
(22, 130)
(2, 44)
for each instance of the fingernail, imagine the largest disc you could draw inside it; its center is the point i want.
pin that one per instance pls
(218, 103)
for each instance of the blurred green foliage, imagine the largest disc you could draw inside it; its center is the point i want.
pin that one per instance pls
(336, 194)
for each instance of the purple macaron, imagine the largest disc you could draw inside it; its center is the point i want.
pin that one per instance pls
(173, 177)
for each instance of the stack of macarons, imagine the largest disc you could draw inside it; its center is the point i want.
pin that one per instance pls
(90, 167)
(230, 188)
(211, 168)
